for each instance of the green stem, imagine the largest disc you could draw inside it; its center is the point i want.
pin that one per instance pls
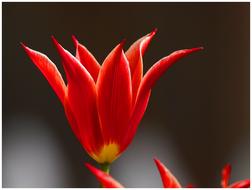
(104, 168)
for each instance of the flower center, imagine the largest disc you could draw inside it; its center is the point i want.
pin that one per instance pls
(109, 152)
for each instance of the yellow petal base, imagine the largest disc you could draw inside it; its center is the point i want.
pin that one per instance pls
(108, 153)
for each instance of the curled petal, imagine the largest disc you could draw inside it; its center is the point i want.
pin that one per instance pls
(225, 174)
(86, 59)
(105, 179)
(153, 74)
(81, 109)
(135, 57)
(114, 95)
(240, 184)
(49, 70)
(169, 181)
(159, 68)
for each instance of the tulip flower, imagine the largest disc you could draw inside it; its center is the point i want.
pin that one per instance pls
(168, 179)
(104, 103)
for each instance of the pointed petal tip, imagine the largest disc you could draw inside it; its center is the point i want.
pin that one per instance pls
(22, 44)
(227, 167)
(157, 162)
(57, 44)
(200, 48)
(154, 31)
(87, 165)
(196, 49)
(155, 159)
(75, 41)
(90, 167)
(54, 39)
(26, 49)
(122, 43)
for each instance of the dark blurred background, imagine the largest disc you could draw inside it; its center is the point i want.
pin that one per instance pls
(198, 115)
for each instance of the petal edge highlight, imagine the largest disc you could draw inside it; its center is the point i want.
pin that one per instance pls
(49, 70)
(86, 59)
(81, 96)
(135, 57)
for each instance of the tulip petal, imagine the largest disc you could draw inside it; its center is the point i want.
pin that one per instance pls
(149, 79)
(86, 59)
(49, 70)
(135, 57)
(240, 184)
(81, 96)
(159, 68)
(114, 95)
(135, 119)
(105, 179)
(169, 181)
(72, 121)
(225, 173)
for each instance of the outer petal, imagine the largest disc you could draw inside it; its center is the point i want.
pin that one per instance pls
(114, 95)
(225, 175)
(87, 59)
(241, 184)
(49, 70)
(81, 96)
(135, 57)
(135, 119)
(159, 68)
(72, 120)
(153, 74)
(105, 179)
(169, 181)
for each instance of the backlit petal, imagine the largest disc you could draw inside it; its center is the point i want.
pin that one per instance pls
(153, 74)
(159, 68)
(87, 59)
(81, 96)
(135, 57)
(135, 119)
(169, 181)
(105, 179)
(72, 121)
(49, 70)
(225, 174)
(240, 184)
(114, 95)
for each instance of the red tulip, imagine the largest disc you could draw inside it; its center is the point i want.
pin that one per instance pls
(226, 171)
(104, 104)
(168, 179)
